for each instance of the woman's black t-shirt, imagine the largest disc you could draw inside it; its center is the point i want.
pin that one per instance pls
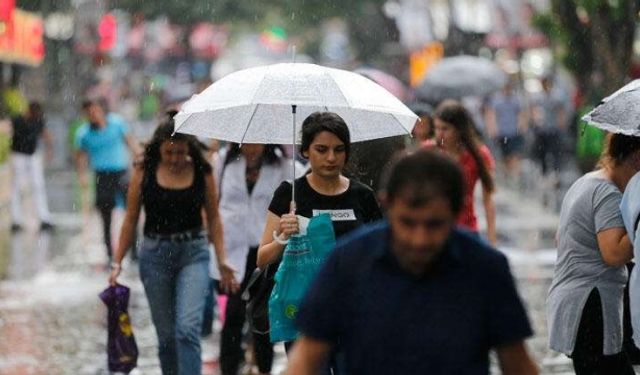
(356, 206)
(170, 211)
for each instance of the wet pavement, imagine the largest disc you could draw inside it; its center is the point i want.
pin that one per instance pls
(52, 322)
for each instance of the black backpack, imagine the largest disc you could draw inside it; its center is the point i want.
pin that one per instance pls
(257, 294)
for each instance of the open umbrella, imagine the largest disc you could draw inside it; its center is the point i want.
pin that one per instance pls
(619, 112)
(460, 76)
(257, 105)
(268, 104)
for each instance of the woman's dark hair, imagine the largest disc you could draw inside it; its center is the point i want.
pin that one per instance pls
(272, 154)
(452, 112)
(165, 132)
(319, 122)
(420, 177)
(617, 148)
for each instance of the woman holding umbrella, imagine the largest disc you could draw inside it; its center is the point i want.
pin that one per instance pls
(585, 301)
(175, 185)
(456, 136)
(326, 144)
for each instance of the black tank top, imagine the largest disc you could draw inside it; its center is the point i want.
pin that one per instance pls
(171, 211)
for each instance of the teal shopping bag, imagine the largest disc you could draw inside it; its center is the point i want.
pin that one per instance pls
(303, 256)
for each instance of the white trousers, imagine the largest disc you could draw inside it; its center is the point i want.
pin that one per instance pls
(28, 168)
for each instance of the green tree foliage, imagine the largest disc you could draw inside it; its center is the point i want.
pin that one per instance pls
(594, 36)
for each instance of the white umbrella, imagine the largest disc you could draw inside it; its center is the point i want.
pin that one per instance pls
(268, 104)
(619, 112)
(255, 105)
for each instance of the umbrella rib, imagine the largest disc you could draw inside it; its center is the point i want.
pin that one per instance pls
(343, 96)
(397, 122)
(246, 130)
(175, 130)
(333, 81)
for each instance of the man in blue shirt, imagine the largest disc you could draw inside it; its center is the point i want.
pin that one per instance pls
(104, 143)
(506, 125)
(415, 295)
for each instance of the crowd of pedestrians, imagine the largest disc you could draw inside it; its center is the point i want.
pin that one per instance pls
(413, 285)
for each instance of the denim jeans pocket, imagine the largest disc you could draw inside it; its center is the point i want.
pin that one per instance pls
(149, 246)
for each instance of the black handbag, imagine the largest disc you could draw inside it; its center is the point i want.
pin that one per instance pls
(257, 294)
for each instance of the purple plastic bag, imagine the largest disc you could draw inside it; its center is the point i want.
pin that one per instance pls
(121, 345)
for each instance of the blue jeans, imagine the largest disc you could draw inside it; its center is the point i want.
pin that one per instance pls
(175, 276)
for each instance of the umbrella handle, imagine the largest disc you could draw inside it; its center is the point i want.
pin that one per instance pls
(293, 156)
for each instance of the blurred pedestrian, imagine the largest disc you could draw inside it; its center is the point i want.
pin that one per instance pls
(506, 126)
(175, 184)
(26, 163)
(456, 137)
(423, 130)
(549, 122)
(476, 106)
(248, 175)
(326, 144)
(585, 301)
(103, 143)
(415, 295)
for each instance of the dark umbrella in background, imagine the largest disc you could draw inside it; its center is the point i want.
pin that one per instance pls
(421, 108)
(461, 76)
(619, 112)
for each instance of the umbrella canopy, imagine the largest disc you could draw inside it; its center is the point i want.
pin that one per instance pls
(619, 112)
(386, 80)
(255, 105)
(460, 76)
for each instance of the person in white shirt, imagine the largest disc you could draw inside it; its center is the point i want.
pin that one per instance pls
(248, 175)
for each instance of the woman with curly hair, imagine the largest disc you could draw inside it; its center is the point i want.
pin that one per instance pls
(175, 185)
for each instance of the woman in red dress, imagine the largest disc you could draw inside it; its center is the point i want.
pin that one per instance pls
(456, 136)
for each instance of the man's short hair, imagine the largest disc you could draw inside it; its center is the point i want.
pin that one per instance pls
(419, 177)
(86, 103)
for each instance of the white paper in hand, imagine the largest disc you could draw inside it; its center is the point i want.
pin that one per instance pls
(303, 224)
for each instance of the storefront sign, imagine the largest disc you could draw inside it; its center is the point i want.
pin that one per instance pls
(21, 39)
(6, 9)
